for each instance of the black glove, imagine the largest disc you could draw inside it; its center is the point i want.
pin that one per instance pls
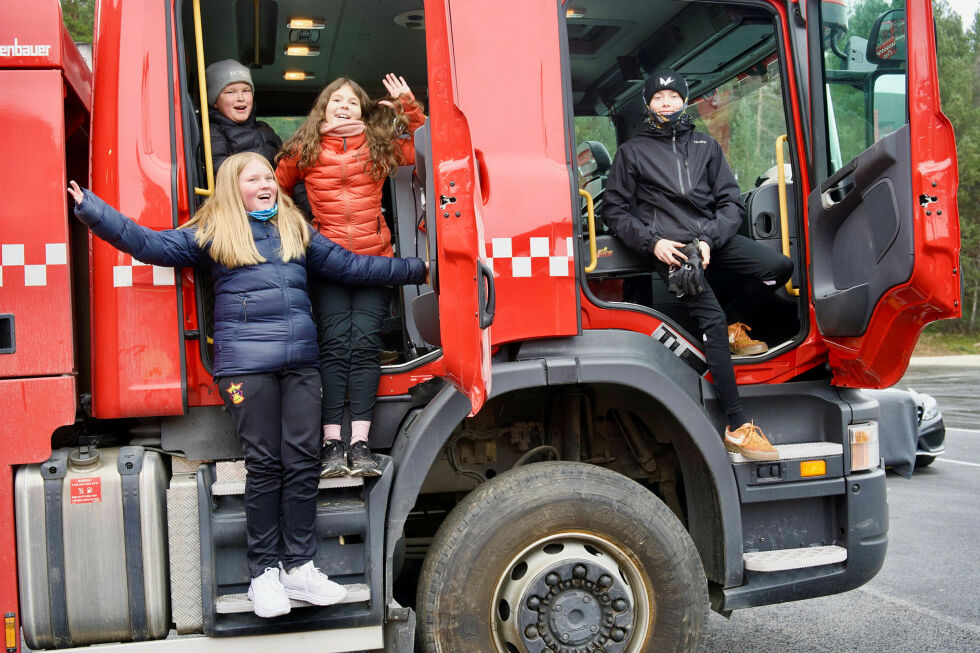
(687, 278)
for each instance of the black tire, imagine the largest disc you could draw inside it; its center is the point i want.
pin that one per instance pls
(541, 537)
(924, 461)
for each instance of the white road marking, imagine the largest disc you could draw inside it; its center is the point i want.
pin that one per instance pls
(957, 462)
(916, 606)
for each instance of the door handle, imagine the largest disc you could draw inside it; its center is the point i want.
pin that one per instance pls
(590, 209)
(487, 295)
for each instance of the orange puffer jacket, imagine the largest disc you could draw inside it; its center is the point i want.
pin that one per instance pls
(344, 197)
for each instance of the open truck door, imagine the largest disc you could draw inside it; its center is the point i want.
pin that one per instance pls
(883, 224)
(448, 166)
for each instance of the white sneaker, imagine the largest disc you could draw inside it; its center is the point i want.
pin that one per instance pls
(268, 595)
(307, 583)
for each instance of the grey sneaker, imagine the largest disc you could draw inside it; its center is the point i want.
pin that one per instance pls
(362, 463)
(335, 460)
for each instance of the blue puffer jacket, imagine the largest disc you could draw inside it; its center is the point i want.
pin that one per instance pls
(262, 316)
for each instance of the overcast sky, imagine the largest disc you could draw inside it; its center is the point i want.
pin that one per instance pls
(966, 9)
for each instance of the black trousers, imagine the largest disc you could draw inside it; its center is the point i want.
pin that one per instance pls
(277, 418)
(349, 320)
(755, 263)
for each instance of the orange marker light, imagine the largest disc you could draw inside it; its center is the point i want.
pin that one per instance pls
(10, 630)
(813, 468)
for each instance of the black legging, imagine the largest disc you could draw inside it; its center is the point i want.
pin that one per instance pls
(756, 263)
(349, 321)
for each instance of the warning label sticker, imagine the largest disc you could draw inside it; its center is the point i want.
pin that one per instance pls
(86, 490)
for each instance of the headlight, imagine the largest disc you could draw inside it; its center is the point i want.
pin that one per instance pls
(864, 445)
(930, 409)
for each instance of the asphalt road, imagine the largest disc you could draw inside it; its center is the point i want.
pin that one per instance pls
(927, 595)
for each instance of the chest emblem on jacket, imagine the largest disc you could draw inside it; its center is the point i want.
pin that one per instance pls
(701, 142)
(234, 391)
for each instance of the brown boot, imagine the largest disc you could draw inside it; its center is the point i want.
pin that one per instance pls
(741, 344)
(751, 442)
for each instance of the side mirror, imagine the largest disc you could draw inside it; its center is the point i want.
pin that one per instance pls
(886, 43)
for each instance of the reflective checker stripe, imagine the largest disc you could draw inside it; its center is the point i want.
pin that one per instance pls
(123, 276)
(12, 256)
(531, 256)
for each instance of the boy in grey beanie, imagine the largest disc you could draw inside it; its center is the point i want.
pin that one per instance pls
(231, 113)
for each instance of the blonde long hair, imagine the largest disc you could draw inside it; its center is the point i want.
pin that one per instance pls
(382, 126)
(223, 223)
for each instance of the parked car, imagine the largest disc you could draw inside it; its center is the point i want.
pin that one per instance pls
(932, 431)
(905, 411)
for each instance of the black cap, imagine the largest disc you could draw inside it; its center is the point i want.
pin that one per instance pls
(665, 78)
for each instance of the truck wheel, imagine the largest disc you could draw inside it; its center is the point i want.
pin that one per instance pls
(561, 556)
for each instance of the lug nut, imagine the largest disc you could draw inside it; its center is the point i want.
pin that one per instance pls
(533, 602)
(552, 579)
(617, 634)
(579, 571)
(605, 581)
(531, 632)
(620, 605)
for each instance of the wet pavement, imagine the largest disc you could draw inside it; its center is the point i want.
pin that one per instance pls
(955, 383)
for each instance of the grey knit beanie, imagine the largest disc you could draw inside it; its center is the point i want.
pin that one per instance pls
(222, 73)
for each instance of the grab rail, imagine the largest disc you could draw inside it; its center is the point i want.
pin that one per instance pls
(202, 89)
(783, 211)
(594, 257)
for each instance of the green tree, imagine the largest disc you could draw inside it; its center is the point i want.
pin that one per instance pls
(79, 17)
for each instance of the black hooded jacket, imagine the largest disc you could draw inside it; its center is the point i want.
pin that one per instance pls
(679, 182)
(229, 137)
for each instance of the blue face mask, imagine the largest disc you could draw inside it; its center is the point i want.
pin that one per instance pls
(265, 214)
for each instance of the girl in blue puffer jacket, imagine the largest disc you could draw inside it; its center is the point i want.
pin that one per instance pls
(259, 248)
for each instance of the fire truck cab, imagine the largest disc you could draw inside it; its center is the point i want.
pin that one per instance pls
(554, 478)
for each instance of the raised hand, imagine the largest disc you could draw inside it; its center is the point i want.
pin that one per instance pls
(76, 193)
(396, 87)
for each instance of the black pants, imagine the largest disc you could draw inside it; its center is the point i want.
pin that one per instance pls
(276, 416)
(348, 323)
(755, 263)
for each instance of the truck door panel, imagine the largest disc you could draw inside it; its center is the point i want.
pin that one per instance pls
(883, 228)
(862, 216)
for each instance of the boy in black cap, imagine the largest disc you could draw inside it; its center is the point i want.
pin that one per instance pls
(688, 211)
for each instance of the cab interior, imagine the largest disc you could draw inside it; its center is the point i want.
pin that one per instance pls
(729, 55)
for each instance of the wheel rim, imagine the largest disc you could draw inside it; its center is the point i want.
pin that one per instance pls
(571, 593)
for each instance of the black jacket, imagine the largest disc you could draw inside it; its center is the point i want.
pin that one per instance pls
(263, 320)
(682, 187)
(229, 137)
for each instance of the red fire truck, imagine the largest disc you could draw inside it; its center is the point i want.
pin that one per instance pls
(554, 478)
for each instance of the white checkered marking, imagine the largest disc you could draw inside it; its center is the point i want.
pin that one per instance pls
(122, 275)
(12, 256)
(539, 248)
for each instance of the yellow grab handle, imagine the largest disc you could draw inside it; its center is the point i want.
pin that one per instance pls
(203, 90)
(593, 256)
(783, 219)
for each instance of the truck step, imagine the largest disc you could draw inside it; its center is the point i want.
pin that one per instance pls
(237, 603)
(230, 479)
(783, 559)
(797, 451)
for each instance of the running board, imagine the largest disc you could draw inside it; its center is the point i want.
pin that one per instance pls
(236, 603)
(230, 479)
(796, 451)
(783, 559)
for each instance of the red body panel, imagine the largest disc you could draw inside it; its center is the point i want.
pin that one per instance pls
(34, 273)
(466, 347)
(137, 348)
(880, 357)
(518, 122)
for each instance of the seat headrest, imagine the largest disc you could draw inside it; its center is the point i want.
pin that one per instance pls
(593, 159)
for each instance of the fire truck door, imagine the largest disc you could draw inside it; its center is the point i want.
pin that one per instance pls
(883, 228)
(462, 278)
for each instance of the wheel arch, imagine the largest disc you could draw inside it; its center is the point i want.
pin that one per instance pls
(625, 359)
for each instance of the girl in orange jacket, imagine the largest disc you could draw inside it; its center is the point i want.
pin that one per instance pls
(344, 151)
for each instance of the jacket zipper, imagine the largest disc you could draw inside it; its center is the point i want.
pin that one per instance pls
(245, 309)
(280, 266)
(677, 160)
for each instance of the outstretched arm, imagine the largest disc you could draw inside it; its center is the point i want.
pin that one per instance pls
(170, 248)
(329, 260)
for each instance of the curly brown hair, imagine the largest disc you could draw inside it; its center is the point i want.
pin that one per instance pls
(382, 126)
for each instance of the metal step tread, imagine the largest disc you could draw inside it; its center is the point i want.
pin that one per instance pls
(230, 479)
(783, 559)
(796, 451)
(236, 603)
